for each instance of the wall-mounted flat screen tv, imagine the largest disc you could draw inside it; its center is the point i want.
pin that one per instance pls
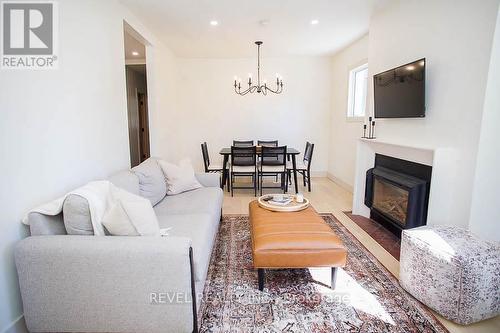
(400, 92)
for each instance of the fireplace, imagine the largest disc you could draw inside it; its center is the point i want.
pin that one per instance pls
(397, 193)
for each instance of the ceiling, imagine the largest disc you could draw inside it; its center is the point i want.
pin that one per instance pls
(133, 45)
(284, 25)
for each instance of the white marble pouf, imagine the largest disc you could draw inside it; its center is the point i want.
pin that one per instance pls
(451, 271)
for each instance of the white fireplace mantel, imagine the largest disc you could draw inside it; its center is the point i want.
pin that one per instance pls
(443, 161)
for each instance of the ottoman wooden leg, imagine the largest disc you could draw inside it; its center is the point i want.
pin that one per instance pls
(334, 277)
(261, 278)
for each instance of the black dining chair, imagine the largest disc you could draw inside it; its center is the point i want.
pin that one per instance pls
(210, 168)
(248, 143)
(244, 163)
(273, 162)
(244, 143)
(304, 166)
(272, 143)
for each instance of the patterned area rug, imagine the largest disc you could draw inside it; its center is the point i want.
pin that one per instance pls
(367, 298)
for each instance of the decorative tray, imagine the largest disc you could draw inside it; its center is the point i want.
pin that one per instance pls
(287, 203)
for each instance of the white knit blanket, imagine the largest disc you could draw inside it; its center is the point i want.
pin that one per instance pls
(102, 196)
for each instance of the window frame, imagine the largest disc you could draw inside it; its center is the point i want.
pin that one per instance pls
(351, 91)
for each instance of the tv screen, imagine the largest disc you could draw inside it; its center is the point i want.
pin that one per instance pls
(400, 92)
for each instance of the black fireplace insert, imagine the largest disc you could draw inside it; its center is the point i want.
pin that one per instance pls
(397, 193)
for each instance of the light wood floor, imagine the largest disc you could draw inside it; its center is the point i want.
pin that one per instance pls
(328, 197)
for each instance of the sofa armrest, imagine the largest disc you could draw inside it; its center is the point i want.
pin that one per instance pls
(208, 179)
(106, 284)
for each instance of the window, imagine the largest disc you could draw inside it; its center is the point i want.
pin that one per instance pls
(358, 85)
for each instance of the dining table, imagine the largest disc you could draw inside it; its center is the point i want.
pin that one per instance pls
(290, 152)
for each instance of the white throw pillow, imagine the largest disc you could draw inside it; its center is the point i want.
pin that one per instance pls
(180, 178)
(117, 222)
(130, 215)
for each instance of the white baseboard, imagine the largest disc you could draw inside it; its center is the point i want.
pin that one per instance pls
(340, 182)
(17, 326)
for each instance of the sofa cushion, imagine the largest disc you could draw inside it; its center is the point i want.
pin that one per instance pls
(76, 216)
(207, 179)
(41, 224)
(126, 180)
(201, 229)
(202, 200)
(151, 180)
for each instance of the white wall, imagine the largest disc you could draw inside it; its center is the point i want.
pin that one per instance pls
(209, 110)
(485, 210)
(62, 128)
(455, 38)
(162, 97)
(344, 132)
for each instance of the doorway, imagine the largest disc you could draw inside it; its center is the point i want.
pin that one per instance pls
(137, 96)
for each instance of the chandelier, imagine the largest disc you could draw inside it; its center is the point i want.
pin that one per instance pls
(259, 88)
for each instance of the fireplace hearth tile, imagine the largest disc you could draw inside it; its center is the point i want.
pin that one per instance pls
(381, 235)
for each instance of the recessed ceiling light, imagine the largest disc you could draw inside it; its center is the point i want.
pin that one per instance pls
(314, 22)
(214, 23)
(135, 53)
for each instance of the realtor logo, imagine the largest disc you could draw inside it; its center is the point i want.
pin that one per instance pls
(29, 35)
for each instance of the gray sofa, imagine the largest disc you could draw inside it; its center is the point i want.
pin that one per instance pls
(73, 283)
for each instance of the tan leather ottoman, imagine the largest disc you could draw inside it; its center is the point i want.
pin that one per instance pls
(293, 240)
